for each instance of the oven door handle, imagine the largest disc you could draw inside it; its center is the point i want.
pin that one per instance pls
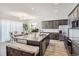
(69, 41)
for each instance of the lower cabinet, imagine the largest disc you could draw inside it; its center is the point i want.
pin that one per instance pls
(54, 36)
(68, 45)
(71, 47)
(75, 50)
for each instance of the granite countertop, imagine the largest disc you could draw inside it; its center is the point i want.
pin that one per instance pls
(76, 43)
(23, 47)
(32, 37)
(75, 40)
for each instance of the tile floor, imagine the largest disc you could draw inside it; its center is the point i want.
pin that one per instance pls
(56, 48)
(2, 49)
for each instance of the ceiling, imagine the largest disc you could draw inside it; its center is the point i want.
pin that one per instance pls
(35, 11)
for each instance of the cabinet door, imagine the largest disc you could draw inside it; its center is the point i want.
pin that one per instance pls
(65, 22)
(53, 24)
(70, 20)
(43, 25)
(75, 50)
(52, 36)
(60, 23)
(72, 16)
(75, 14)
(43, 47)
(78, 11)
(50, 24)
(56, 24)
(47, 26)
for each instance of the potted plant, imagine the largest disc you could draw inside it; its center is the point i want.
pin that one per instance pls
(25, 27)
(34, 31)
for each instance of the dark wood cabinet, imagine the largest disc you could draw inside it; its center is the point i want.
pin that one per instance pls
(43, 49)
(78, 11)
(70, 20)
(43, 44)
(75, 50)
(54, 36)
(71, 47)
(68, 45)
(63, 22)
(73, 16)
(54, 24)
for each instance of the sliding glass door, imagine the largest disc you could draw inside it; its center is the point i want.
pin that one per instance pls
(10, 26)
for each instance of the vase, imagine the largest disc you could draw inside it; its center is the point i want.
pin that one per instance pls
(34, 34)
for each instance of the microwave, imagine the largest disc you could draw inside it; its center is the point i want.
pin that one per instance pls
(75, 23)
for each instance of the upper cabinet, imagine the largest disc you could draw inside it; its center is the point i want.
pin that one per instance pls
(71, 17)
(54, 24)
(78, 11)
(75, 14)
(74, 17)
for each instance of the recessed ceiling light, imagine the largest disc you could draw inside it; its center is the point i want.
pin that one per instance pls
(32, 8)
(55, 3)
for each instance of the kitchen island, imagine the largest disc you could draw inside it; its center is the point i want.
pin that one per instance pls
(40, 40)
